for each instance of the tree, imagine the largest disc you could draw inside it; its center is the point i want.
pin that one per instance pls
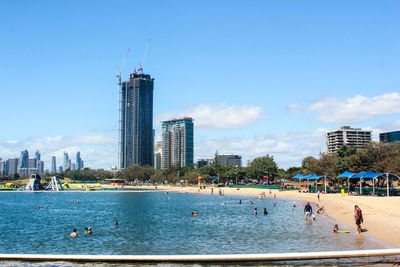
(261, 166)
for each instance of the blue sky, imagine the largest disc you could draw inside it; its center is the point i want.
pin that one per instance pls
(258, 77)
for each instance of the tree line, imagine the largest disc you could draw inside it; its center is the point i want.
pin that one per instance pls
(377, 157)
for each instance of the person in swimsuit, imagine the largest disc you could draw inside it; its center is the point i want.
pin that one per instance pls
(358, 218)
(74, 234)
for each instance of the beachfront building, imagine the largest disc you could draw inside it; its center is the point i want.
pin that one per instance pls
(177, 143)
(390, 137)
(347, 136)
(136, 134)
(157, 155)
(229, 160)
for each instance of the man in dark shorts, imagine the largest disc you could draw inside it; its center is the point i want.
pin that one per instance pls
(308, 211)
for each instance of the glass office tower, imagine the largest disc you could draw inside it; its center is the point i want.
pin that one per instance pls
(136, 134)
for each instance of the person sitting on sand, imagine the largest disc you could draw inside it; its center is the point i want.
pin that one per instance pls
(74, 234)
(336, 228)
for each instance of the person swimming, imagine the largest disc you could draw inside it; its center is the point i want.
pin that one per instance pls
(240, 201)
(255, 211)
(88, 231)
(251, 203)
(194, 213)
(116, 224)
(265, 212)
(74, 234)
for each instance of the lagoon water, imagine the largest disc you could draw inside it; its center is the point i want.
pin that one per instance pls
(156, 223)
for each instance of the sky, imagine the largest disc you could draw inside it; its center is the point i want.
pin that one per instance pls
(258, 77)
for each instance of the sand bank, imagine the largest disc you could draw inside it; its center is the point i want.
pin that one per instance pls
(381, 214)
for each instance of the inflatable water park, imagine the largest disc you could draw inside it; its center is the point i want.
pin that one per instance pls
(35, 184)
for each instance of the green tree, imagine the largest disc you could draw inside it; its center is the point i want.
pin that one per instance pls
(261, 166)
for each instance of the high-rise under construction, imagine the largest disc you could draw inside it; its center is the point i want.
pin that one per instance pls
(136, 134)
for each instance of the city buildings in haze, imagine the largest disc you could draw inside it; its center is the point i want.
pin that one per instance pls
(53, 164)
(157, 155)
(177, 143)
(347, 136)
(228, 160)
(136, 134)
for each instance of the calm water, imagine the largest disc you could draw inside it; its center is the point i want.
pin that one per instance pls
(160, 223)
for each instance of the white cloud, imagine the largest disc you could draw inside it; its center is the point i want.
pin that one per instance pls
(355, 109)
(295, 108)
(212, 117)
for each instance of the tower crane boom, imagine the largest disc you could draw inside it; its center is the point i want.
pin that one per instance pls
(144, 56)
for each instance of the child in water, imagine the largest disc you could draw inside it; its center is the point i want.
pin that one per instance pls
(335, 228)
(255, 211)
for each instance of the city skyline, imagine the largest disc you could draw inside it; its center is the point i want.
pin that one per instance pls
(260, 78)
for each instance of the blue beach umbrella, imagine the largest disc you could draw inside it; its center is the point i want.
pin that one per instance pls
(346, 174)
(298, 176)
(366, 175)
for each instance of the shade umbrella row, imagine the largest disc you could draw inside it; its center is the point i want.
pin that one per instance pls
(349, 175)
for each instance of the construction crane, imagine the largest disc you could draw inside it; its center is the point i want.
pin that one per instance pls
(144, 56)
(119, 71)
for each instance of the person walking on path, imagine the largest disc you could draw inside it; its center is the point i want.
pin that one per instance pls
(358, 218)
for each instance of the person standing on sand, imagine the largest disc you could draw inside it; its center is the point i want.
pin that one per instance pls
(318, 195)
(358, 218)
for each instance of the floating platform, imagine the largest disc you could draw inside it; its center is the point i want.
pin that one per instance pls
(204, 258)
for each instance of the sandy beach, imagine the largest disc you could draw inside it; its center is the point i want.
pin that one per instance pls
(381, 214)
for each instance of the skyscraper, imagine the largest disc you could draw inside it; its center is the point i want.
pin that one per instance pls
(53, 164)
(79, 161)
(157, 155)
(136, 136)
(40, 166)
(177, 143)
(37, 155)
(65, 162)
(12, 164)
(24, 159)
